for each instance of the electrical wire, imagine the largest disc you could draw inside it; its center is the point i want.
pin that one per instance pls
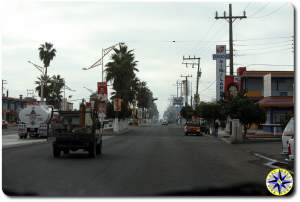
(259, 10)
(264, 44)
(264, 48)
(275, 65)
(262, 53)
(265, 38)
(208, 86)
(271, 13)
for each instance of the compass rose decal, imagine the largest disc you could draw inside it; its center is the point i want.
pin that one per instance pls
(279, 181)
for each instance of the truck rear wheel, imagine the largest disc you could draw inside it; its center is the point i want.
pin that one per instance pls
(99, 148)
(56, 152)
(92, 150)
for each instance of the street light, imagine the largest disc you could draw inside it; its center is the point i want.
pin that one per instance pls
(105, 51)
(41, 69)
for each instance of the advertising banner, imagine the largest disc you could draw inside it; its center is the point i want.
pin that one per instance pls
(178, 101)
(102, 88)
(220, 58)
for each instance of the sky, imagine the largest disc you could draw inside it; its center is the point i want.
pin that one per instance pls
(160, 33)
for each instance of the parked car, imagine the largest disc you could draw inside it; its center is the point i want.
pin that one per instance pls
(192, 127)
(287, 134)
(4, 124)
(164, 122)
(291, 149)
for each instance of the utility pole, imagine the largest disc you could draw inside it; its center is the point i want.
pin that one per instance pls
(230, 19)
(186, 88)
(191, 95)
(178, 84)
(3, 83)
(198, 73)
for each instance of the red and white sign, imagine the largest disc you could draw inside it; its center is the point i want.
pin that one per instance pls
(102, 88)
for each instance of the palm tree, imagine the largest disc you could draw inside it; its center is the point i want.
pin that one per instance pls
(121, 72)
(55, 97)
(46, 83)
(46, 53)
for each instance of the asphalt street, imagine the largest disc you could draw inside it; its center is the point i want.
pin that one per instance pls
(146, 161)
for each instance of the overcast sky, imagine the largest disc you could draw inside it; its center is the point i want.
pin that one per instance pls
(79, 30)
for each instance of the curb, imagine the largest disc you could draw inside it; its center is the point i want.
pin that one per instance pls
(4, 147)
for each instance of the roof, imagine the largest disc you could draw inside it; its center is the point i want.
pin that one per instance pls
(273, 73)
(277, 101)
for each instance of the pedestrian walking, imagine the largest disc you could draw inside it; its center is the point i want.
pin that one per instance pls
(216, 127)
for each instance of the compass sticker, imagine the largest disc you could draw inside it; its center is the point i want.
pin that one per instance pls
(279, 181)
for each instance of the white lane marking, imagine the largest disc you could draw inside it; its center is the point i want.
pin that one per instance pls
(264, 157)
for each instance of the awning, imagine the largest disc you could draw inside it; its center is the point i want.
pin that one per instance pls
(277, 101)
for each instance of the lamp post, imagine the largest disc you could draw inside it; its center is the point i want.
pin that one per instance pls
(41, 69)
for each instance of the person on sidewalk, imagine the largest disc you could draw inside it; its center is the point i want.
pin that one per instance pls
(216, 127)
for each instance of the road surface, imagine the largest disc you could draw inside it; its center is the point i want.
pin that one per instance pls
(146, 161)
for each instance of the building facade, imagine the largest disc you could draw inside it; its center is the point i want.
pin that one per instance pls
(273, 91)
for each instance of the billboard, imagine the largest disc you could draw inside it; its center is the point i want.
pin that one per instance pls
(220, 58)
(267, 85)
(178, 101)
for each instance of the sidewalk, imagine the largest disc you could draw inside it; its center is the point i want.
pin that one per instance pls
(264, 146)
(252, 136)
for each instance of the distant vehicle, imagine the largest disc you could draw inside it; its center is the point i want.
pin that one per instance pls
(287, 134)
(291, 149)
(34, 121)
(192, 127)
(164, 122)
(4, 124)
(197, 125)
(77, 130)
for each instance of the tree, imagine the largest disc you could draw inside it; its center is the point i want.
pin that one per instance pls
(210, 111)
(52, 89)
(187, 112)
(55, 94)
(121, 72)
(46, 54)
(47, 83)
(246, 111)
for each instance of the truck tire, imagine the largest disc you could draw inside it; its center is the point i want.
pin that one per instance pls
(99, 148)
(56, 152)
(92, 150)
(66, 151)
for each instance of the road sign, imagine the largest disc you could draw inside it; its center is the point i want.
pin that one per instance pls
(102, 88)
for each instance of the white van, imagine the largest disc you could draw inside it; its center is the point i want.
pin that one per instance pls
(287, 134)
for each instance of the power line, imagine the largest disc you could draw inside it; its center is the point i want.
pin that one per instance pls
(265, 38)
(272, 12)
(208, 86)
(275, 65)
(264, 48)
(248, 4)
(260, 9)
(263, 44)
(266, 52)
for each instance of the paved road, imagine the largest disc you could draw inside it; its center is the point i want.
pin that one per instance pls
(10, 130)
(147, 161)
